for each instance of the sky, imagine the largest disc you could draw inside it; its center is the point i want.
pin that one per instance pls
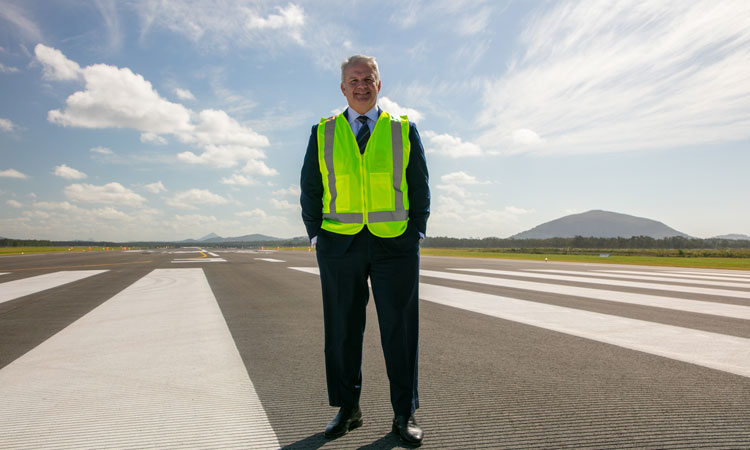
(135, 120)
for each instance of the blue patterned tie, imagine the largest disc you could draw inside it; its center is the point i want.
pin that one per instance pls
(364, 134)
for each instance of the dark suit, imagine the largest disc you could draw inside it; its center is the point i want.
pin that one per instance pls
(392, 264)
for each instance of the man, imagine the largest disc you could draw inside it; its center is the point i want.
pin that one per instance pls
(365, 202)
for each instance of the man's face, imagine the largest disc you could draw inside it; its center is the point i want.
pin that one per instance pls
(360, 87)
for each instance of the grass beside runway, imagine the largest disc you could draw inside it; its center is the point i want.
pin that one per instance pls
(668, 261)
(31, 250)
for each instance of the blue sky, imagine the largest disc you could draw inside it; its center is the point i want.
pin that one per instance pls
(155, 120)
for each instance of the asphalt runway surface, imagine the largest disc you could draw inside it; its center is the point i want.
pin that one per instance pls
(207, 348)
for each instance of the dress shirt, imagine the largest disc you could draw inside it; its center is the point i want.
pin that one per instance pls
(372, 116)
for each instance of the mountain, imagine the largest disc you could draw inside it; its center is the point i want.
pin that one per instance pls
(214, 238)
(599, 223)
(733, 237)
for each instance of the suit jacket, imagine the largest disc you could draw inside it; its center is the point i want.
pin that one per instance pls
(311, 199)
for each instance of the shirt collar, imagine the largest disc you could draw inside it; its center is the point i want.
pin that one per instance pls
(372, 114)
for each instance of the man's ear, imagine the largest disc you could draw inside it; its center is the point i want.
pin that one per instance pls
(342, 89)
(378, 85)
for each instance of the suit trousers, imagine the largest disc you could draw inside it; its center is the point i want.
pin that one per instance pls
(392, 265)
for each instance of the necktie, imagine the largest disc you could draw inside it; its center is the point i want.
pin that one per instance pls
(364, 134)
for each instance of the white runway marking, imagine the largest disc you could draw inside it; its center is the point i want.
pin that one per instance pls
(212, 254)
(11, 290)
(199, 260)
(154, 366)
(633, 284)
(269, 259)
(693, 275)
(717, 351)
(695, 306)
(648, 277)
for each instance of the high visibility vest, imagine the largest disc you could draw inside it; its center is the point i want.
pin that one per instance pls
(365, 189)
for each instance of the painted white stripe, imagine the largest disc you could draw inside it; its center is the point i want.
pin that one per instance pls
(717, 351)
(213, 254)
(154, 366)
(695, 306)
(199, 260)
(708, 275)
(11, 290)
(633, 284)
(3, 273)
(270, 260)
(647, 277)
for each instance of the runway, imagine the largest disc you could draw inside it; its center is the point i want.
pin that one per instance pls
(212, 348)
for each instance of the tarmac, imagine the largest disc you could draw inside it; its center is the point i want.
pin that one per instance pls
(215, 348)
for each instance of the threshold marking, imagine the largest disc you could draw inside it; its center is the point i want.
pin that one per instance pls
(154, 366)
(12, 290)
(633, 284)
(716, 351)
(694, 306)
(270, 260)
(646, 277)
(199, 260)
(681, 274)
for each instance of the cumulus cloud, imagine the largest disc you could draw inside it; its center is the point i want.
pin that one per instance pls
(283, 205)
(594, 77)
(239, 180)
(184, 94)
(118, 98)
(293, 191)
(155, 188)
(451, 146)
(55, 65)
(112, 193)
(14, 203)
(13, 173)
(394, 108)
(190, 198)
(6, 125)
(459, 177)
(8, 69)
(68, 173)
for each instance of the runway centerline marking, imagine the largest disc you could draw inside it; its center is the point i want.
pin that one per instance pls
(154, 366)
(621, 283)
(11, 290)
(694, 306)
(716, 351)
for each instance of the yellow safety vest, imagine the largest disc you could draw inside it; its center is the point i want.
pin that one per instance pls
(365, 189)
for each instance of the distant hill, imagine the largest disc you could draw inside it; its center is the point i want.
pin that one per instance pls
(214, 238)
(733, 237)
(599, 223)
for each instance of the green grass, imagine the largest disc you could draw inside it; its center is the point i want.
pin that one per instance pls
(670, 261)
(29, 250)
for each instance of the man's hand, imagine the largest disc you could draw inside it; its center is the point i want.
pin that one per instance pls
(314, 242)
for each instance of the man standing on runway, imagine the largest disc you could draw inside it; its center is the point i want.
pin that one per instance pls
(365, 202)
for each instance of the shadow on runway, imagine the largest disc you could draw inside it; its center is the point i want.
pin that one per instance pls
(387, 442)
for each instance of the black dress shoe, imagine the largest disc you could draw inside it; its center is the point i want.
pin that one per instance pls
(347, 419)
(407, 428)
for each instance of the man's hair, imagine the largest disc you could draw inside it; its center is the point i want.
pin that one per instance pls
(359, 59)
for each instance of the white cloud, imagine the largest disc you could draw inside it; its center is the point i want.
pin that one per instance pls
(239, 180)
(6, 125)
(253, 214)
(12, 173)
(593, 77)
(152, 138)
(190, 198)
(223, 24)
(184, 94)
(113, 193)
(8, 69)
(155, 188)
(284, 205)
(256, 167)
(118, 98)
(17, 16)
(459, 177)
(451, 146)
(102, 151)
(68, 173)
(14, 203)
(293, 191)
(55, 65)
(394, 108)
